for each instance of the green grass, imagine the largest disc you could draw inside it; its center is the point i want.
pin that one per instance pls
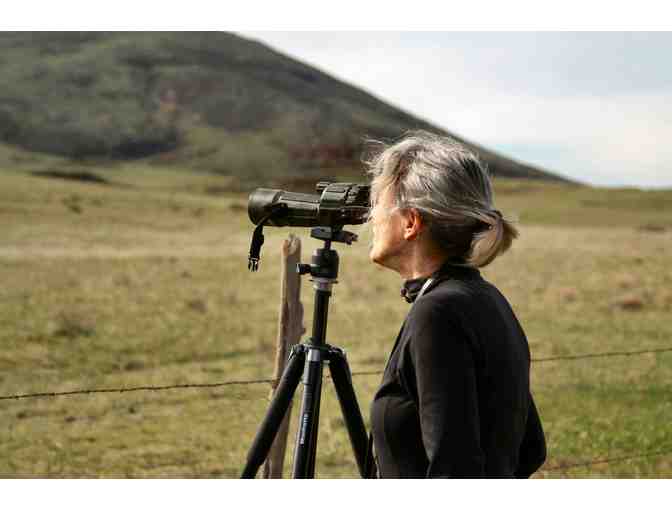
(144, 282)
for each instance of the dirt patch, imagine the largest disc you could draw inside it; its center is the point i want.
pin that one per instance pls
(133, 365)
(630, 302)
(519, 189)
(626, 281)
(73, 325)
(653, 227)
(217, 190)
(568, 294)
(237, 207)
(71, 176)
(198, 305)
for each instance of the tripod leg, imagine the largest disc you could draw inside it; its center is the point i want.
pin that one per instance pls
(306, 438)
(275, 414)
(313, 438)
(340, 373)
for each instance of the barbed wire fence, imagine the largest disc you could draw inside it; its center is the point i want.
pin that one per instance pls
(558, 467)
(51, 394)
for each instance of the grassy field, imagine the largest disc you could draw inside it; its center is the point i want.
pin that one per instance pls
(142, 280)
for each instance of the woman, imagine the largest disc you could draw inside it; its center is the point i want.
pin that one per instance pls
(455, 398)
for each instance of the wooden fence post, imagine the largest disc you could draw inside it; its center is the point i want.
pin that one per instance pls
(290, 329)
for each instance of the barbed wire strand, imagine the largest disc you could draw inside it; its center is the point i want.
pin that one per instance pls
(600, 355)
(559, 467)
(133, 388)
(53, 394)
(608, 460)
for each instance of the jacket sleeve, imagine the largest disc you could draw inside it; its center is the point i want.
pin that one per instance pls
(443, 373)
(532, 453)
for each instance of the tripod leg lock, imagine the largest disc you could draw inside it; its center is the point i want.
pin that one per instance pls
(336, 352)
(297, 349)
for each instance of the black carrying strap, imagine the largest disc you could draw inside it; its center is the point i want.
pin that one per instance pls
(258, 236)
(423, 289)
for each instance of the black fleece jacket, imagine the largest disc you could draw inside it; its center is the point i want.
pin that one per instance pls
(455, 397)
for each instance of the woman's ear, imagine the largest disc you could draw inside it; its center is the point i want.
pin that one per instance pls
(412, 224)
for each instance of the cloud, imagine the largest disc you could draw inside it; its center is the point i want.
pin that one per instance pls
(615, 140)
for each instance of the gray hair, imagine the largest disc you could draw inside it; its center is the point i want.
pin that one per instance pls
(450, 188)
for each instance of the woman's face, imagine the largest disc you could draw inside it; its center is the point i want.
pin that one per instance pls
(388, 243)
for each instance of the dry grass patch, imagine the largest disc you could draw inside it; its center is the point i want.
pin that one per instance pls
(154, 282)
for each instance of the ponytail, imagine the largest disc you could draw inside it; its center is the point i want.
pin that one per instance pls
(492, 241)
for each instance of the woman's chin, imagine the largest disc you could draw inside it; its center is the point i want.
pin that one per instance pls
(375, 256)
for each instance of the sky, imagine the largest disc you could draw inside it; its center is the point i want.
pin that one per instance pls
(592, 106)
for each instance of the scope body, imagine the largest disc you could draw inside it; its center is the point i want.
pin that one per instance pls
(337, 204)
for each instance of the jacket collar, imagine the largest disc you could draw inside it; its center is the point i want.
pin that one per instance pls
(449, 270)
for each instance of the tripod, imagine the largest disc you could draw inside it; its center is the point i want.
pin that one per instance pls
(308, 359)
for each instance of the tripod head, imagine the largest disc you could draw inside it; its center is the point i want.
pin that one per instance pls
(324, 263)
(335, 234)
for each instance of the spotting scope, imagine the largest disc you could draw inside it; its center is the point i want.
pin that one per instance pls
(335, 204)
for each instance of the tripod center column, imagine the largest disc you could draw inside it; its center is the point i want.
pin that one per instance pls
(324, 271)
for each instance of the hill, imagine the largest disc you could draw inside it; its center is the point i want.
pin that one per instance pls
(208, 101)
